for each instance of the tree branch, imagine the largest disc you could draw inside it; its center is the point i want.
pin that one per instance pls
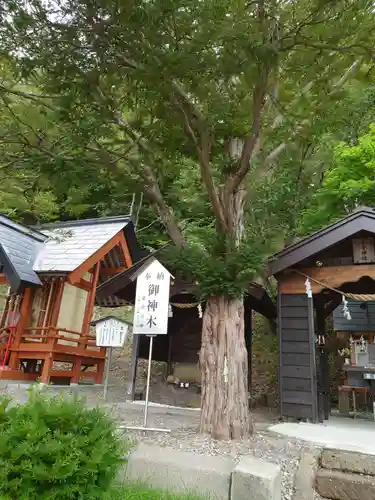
(38, 99)
(302, 126)
(167, 217)
(259, 98)
(202, 142)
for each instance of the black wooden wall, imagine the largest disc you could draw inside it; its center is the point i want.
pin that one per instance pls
(297, 368)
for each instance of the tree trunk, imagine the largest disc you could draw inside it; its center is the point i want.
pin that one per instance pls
(223, 362)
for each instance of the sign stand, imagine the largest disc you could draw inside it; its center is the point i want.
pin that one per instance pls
(107, 369)
(151, 312)
(110, 332)
(145, 428)
(148, 379)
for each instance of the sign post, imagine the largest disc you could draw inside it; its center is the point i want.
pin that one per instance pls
(151, 314)
(110, 332)
(148, 380)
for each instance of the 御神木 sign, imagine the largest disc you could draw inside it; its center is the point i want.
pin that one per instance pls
(152, 300)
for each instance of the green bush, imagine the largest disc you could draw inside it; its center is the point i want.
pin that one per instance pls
(56, 449)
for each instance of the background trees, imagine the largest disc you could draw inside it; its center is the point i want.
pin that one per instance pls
(220, 112)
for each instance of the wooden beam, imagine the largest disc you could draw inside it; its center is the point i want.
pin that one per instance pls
(96, 257)
(3, 279)
(113, 270)
(84, 285)
(125, 249)
(293, 283)
(90, 302)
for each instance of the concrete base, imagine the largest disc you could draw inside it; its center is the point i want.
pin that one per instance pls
(340, 433)
(256, 479)
(180, 472)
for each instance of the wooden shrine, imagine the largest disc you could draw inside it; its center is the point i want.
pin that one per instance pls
(315, 276)
(182, 343)
(52, 273)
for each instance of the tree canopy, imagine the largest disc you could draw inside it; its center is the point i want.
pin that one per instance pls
(225, 114)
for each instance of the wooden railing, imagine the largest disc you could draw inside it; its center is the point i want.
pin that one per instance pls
(62, 339)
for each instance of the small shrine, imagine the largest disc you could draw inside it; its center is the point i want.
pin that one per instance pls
(179, 349)
(330, 274)
(52, 273)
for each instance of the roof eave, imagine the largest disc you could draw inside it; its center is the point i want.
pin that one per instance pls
(363, 220)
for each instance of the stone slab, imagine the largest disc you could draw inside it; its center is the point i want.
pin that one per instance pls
(355, 435)
(304, 482)
(348, 461)
(180, 472)
(256, 479)
(338, 485)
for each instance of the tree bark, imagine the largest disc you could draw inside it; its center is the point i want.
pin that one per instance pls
(223, 362)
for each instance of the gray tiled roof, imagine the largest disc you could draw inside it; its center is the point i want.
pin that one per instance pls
(70, 244)
(25, 252)
(19, 247)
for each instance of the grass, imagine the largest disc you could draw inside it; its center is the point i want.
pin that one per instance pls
(140, 492)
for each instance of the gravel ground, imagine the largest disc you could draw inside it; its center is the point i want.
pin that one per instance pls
(184, 423)
(184, 436)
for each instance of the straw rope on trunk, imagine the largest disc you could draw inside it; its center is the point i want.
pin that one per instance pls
(185, 306)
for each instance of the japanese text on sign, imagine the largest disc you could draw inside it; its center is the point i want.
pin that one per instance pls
(152, 300)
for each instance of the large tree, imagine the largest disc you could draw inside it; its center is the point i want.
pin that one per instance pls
(225, 90)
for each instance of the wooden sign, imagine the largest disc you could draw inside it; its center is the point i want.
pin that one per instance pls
(151, 309)
(111, 332)
(363, 250)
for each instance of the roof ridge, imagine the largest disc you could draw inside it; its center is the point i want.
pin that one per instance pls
(352, 215)
(85, 222)
(21, 228)
(321, 239)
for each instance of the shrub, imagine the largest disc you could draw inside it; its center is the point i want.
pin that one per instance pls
(56, 449)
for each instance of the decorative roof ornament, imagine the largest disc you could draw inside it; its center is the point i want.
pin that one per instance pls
(60, 235)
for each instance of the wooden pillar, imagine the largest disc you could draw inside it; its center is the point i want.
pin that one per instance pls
(312, 346)
(324, 382)
(24, 321)
(47, 368)
(248, 343)
(133, 367)
(56, 303)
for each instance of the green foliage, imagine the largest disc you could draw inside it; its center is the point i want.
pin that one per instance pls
(112, 98)
(56, 449)
(347, 184)
(142, 492)
(216, 266)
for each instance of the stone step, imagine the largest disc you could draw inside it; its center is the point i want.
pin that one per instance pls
(207, 476)
(348, 461)
(337, 485)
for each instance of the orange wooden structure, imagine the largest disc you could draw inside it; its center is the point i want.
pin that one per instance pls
(52, 273)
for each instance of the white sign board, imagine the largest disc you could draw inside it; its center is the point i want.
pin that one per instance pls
(152, 301)
(111, 333)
